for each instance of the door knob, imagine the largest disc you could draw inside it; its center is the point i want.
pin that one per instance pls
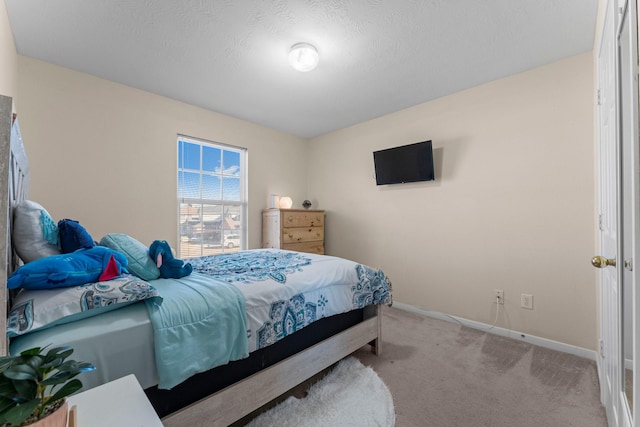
(602, 262)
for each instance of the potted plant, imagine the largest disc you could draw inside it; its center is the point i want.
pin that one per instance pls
(33, 385)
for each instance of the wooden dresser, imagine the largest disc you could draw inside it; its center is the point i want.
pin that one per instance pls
(299, 230)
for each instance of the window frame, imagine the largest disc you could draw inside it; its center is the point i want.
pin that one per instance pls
(241, 204)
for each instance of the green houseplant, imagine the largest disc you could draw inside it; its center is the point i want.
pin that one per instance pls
(34, 384)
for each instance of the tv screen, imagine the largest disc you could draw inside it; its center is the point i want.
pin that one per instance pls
(407, 163)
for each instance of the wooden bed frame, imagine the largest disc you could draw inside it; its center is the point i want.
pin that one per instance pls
(229, 404)
(14, 186)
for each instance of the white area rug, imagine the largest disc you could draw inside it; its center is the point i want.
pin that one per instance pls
(350, 395)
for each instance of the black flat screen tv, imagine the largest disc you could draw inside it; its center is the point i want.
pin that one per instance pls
(407, 163)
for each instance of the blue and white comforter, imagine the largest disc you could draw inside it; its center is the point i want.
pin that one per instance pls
(285, 291)
(199, 325)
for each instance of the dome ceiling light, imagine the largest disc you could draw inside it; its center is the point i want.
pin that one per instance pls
(303, 57)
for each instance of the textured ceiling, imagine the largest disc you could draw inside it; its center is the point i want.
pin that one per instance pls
(230, 56)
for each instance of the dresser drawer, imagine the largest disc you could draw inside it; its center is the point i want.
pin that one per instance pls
(298, 235)
(302, 219)
(308, 247)
(293, 229)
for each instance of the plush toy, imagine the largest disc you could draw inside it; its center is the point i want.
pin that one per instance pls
(74, 269)
(170, 267)
(73, 236)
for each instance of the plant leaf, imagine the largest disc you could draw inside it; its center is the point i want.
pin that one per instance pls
(35, 362)
(86, 367)
(59, 378)
(21, 372)
(69, 388)
(31, 351)
(5, 404)
(25, 390)
(69, 365)
(6, 362)
(59, 353)
(52, 364)
(19, 413)
(7, 388)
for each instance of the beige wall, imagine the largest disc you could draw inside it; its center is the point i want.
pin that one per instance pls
(512, 206)
(8, 56)
(105, 154)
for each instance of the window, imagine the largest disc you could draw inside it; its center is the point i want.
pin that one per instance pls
(212, 198)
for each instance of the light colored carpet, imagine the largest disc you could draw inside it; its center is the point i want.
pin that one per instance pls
(442, 374)
(351, 395)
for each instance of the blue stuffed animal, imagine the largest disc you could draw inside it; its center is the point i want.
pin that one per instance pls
(74, 269)
(170, 267)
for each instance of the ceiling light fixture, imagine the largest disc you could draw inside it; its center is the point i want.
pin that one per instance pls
(303, 57)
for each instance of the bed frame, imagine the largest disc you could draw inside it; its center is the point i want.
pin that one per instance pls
(232, 403)
(222, 407)
(14, 185)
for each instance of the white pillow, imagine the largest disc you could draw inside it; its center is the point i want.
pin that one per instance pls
(42, 308)
(34, 234)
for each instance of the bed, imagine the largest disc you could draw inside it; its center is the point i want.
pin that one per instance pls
(279, 318)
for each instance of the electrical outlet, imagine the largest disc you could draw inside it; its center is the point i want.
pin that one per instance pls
(498, 296)
(526, 301)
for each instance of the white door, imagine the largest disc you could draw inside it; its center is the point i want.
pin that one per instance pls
(630, 218)
(628, 233)
(609, 357)
(619, 213)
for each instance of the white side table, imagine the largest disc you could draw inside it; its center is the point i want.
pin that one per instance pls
(117, 403)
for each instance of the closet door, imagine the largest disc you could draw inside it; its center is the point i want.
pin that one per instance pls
(629, 192)
(619, 213)
(608, 157)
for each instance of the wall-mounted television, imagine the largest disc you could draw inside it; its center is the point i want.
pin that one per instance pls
(407, 163)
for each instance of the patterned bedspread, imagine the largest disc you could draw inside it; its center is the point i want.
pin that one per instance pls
(286, 291)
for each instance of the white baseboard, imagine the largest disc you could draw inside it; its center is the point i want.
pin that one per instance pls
(520, 336)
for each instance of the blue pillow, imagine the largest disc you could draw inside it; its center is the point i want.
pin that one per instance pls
(73, 236)
(139, 262)
(58, 271)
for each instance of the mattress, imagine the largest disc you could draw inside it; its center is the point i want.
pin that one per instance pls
(118, 343)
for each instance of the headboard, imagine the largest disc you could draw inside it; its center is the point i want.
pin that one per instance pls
(14, 185)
